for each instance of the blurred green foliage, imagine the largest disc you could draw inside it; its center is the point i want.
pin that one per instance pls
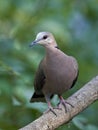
(75, 26)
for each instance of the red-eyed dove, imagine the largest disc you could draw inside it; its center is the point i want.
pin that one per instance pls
(57, 72)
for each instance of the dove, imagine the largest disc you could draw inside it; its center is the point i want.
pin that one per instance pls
(56, 74)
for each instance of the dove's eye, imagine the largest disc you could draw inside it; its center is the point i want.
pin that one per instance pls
(45, 37)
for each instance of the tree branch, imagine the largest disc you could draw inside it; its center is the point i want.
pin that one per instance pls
(80, 100)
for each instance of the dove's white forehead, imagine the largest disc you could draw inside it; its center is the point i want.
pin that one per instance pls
(41, 34)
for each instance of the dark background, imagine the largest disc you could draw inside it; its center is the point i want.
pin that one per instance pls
(74, 24)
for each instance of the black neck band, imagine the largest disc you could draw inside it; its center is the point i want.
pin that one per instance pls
(57, 47)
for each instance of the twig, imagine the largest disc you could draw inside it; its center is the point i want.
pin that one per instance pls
(80, 100)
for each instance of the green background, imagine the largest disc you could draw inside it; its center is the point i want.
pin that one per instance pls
(74, 24)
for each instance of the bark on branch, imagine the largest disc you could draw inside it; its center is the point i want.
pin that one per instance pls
(80, 100)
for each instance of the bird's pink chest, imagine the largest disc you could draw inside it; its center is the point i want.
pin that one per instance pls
(57, 73)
